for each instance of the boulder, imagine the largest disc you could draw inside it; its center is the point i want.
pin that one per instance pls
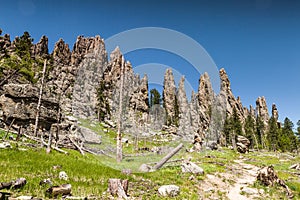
(242, 144)
(145, 168)
(190, 167)
(169, 190)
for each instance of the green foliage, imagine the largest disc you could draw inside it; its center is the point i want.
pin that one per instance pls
(287, 138)
(259, 130)
(249, 128)
(273, 134)
(232, 127)
(23, 44)
(155, 97)
(21, 61)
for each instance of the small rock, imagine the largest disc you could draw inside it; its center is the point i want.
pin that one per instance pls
(211, 189)
(24, 198)
(56, 167)
(145, 168)
(46, 182)
(5, 145)
(169, 190)
(249, 191)
(261, 191)
(126, 171)
(125, 140)
(63, 175)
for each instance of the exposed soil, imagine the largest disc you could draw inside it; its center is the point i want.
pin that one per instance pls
(235, 183)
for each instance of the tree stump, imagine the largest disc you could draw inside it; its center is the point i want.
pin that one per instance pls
(268, 177)
(118, 187)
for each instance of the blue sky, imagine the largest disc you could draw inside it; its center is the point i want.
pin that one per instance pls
(257, 42)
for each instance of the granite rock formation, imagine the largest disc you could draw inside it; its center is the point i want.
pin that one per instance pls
(169, 97)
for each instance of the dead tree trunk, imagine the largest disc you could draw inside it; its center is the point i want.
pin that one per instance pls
(40, 99)
(49, 142)
(64, 189)
(118, 187)
(119, 134)
(167, 157)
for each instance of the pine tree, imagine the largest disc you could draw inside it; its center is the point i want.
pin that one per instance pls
(227, 129)
(259, 131)
(273, 134)
(288, 141)
(298, 129)
(155, 97)
(250, 130)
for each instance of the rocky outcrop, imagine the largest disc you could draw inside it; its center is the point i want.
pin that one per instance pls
(41, 48)
(90, 72)
(185, 129)
(231, 102)
(61, 53)
(19, 102)
(275, 114)
(262, 111)
(205, 100)
(84, 46)
(5, 45)
(169, 96)
(139, 99)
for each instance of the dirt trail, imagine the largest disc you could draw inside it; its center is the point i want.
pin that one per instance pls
(235, 183)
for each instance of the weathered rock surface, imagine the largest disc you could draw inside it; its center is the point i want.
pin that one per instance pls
(5, 45)
(262, 111)
(231, 101)
(275, 112)
(169, 96)
(185, 129)
(205, 99)
(41, 48)
(93, 58)
(169, 190)
(19, 102)
(190, 167)
(61, 53)
(242, 144)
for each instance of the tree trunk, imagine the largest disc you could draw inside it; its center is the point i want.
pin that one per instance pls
(64, 189)
(167, 157)
(40, 99)
(119, 134)
(118, 187)
(233, 141)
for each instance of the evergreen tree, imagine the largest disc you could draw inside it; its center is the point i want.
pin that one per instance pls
(298, 129)
(273, 134)
(23, 45)
(259, 131)
(232, 128)
(250, 130)
(287, 140)
(155, 97)
(227, 129)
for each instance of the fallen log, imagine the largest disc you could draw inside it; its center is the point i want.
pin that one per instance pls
(64, 189)
(45, 144)
(76, 145)
(5, 185)
(167, 157)
(118, 187)
(20, 182)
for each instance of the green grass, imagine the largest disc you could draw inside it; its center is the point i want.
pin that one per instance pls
(89, 174)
